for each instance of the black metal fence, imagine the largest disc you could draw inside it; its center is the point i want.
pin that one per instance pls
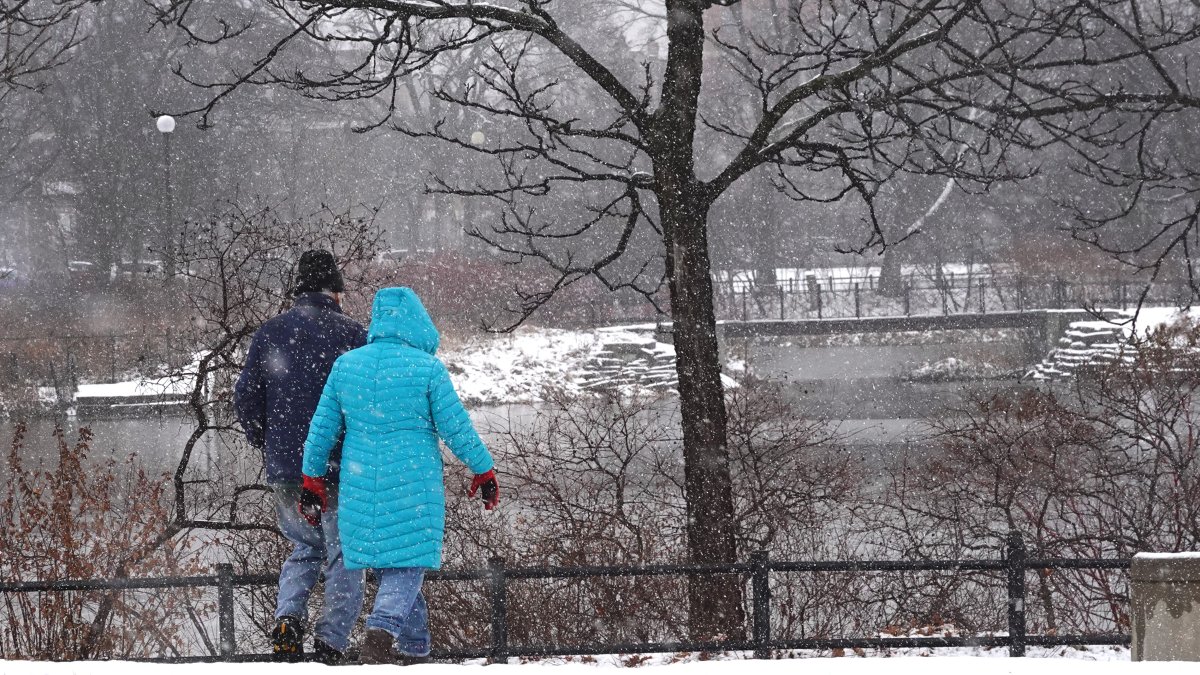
(1013, 564)
(812, 298)
(63, 360)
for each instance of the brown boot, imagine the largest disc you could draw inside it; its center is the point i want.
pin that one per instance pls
(377, 648)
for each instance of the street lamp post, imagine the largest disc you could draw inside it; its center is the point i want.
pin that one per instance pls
(166, 126)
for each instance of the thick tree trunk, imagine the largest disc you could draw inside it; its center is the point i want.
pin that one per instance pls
(891, 277)
(714, 603)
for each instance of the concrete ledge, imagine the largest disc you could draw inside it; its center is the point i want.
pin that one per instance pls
(1165, 606)
(1165, 567)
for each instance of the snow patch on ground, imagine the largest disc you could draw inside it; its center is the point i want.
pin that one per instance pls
(518, 368)
(140, 389)
(163, 386)
(1062, 661)
(951, 369)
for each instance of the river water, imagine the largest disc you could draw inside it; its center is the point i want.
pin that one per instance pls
(157, 441)
(857, 388)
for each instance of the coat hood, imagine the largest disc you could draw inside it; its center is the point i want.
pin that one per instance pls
(398, 315)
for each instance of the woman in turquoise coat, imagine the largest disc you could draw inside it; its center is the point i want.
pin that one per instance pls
(389, 402)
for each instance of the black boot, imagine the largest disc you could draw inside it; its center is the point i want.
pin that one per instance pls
(287, 640)
(377, 648)
(324, 653)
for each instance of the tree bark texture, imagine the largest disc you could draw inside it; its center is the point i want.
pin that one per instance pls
(714, 602)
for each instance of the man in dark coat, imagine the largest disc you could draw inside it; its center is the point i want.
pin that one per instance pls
(275, 397)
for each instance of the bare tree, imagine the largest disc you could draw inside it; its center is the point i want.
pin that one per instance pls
(239, 271)
(37, 36)
(854, 93)
(1152, 215)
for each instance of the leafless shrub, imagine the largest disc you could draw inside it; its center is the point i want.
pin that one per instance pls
(77, 521)
(237, 270)
(598, 480)
(1103, 467)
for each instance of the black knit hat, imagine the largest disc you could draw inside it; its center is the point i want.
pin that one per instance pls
(318, 272)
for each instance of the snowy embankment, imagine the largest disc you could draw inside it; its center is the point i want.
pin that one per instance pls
(518, 368)
(825, 666)
(486, 370)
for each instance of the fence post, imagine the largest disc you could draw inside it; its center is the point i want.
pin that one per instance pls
(499, 592)
(857, 303)
(907, 298)
(819, 301)
(225, 608)
(761, 585)
(1015, 556)
(782, 303)
(983, 296)
(745, 315)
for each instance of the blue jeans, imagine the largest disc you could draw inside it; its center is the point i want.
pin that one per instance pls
(316, 549)
(400, 609)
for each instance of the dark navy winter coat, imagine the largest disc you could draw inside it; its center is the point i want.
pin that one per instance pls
(289, 360)
(393, 400)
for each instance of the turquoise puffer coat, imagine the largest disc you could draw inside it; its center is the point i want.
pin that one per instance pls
(392, 399)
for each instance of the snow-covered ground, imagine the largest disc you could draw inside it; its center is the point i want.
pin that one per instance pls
(494, 369)
(517, 368)
(823, 666)
(953, 368)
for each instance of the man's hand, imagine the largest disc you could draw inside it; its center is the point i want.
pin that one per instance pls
(491, 489)
(313, 500)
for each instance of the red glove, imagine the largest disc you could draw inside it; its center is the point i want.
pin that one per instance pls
(313, 500)
(491, 489)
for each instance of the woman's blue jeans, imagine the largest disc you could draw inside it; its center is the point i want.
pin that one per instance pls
(400, 609)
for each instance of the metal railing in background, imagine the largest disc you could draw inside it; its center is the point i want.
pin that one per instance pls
(1014, 564)
(66, 358)
(801, 299)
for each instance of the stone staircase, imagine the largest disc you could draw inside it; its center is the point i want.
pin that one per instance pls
(631, 364)
(1085, 346)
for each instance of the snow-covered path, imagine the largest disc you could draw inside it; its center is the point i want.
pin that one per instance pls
(821, 666)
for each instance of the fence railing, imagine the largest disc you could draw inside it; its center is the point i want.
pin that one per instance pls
(64, 359)
(1014, 564)
(802, 299)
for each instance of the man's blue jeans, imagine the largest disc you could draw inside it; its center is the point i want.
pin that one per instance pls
(400, 609)
(316, 549)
